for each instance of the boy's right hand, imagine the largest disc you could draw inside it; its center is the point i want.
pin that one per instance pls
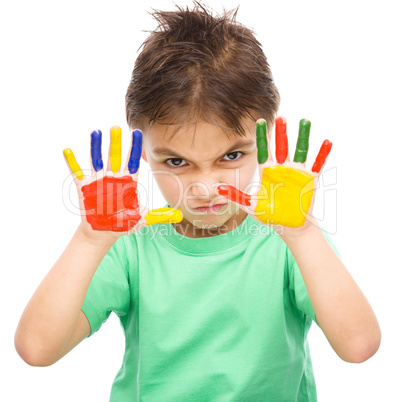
(108, 203)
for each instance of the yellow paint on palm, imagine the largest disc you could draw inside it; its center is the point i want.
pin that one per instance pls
(161, 215)
(115, 148)
(285, 196)
(70, 158)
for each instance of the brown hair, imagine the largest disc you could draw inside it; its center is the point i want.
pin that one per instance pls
(199, 66)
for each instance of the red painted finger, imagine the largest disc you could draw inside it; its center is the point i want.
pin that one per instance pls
(322, 156)
(234, 194)
(281, 140)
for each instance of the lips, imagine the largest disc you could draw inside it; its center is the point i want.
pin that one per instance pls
(209, 205)
(208, 209)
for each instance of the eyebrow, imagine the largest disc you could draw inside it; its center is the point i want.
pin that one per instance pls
(170, 152)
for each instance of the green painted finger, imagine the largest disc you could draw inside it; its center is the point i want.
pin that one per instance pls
(261, 142)
(302, 145)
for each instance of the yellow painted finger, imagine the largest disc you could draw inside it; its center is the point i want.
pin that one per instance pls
(115, 148)
(161, 215)
(70, 158)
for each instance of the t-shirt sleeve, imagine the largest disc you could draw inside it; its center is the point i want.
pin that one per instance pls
(109, 288)
(298, 292)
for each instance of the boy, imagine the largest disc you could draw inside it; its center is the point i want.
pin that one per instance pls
(216, 306)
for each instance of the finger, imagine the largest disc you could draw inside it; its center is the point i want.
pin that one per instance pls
(281, 140)
(72, 164)
(160, 215)
(115, 150)
(263, 142)
(234, 194)
(322, 156)
(95, 151)
(132, 165)
(302, 144)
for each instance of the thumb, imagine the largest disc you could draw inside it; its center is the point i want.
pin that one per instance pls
(160, 215)
(163, 215)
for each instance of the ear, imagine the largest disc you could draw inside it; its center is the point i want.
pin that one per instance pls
(143, 155)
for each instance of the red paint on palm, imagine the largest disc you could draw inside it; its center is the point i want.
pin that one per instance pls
(111, 203)
(234, 194)
(321, 156)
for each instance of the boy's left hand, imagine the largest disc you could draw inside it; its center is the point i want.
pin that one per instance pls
(286, 194)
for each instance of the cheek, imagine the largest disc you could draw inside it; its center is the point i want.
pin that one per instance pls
(243, 177)
(250, 174)
(251, 179)
(171, 187)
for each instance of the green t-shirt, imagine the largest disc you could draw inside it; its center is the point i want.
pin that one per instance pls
(221, 318)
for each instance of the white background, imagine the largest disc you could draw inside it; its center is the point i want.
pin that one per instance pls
(65, 68)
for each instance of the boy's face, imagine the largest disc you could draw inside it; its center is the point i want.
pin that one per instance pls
(189, 168)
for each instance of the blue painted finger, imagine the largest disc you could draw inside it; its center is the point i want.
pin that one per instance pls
(95, 146)
(135, 153)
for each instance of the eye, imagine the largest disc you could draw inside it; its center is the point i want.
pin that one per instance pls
(234, 155)
(173, 162)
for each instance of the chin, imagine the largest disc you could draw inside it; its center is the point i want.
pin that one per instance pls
(208, 221)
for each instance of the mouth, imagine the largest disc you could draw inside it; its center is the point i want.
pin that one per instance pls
(209, 210)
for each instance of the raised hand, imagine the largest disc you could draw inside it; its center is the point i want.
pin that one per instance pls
(286, 193)
(109, 203)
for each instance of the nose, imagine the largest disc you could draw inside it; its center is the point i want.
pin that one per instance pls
(205, 187)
